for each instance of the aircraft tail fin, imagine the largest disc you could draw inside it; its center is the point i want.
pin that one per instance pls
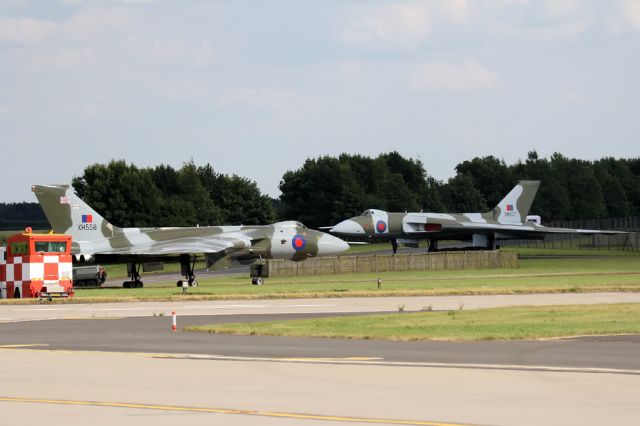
(515, 207)
(69, 214)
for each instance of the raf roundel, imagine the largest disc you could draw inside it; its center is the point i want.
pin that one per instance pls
(381, 226)
(298, 242)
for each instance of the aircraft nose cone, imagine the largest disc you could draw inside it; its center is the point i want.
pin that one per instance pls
(329, 245)
(348, 227)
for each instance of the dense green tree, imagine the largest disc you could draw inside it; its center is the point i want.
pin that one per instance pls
(202, 210)
(618, 175)
(611, 174)
(312, 193)
(163, 196)
(431, 197)
(461, 196)
(122, 193)
(411, 171)
(239, 198)
(326, 190)
(585, 192)
(490, 176)
(552, 201)
(17, 216)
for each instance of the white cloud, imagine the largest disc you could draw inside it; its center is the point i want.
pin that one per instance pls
(136, 1)
(170, 51)
(465, 76)
(551, 32)
(390, 25)
(94, 22)
(456, 10)
(26, 30)
(351, 70)
(16, 4)
(573, 97)
(279, 100)
(77, 28)
(631, 13)
(106, 110)
(7, 110)
(548, 20)
(563, 9)
(65, 59)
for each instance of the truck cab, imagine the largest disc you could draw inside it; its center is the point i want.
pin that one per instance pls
(36, 266)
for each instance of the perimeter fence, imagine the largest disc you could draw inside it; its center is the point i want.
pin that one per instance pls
(437, 261)
(628, 241)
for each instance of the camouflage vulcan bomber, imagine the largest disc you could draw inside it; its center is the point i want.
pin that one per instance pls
(97, 240)
(507, 220)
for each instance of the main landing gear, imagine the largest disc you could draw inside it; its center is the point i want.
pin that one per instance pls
(257, 279)
(134, 273)
(187, 265)
(394, 245)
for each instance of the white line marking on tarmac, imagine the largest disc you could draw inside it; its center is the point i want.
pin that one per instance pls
(306, 306)
(43, 309)
(250, 412)
(359, 360)
(382, 362)
(177, 307)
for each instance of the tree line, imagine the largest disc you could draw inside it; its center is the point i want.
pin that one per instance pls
(163, 196)
(328, 189)
(17, 216)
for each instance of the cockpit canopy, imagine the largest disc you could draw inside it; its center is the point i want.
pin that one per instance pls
(372, 212)
(290, 224)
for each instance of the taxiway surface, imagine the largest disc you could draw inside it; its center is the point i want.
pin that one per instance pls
(120, 363)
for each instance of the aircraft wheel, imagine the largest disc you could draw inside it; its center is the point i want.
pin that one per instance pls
(194, 283)
(179, 283)
(139, 284)
(126, 284)
(253, 280)
(259, 281)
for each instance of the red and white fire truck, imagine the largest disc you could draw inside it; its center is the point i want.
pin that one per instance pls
(36, 266)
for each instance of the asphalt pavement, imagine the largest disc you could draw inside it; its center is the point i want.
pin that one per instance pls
(154, 335)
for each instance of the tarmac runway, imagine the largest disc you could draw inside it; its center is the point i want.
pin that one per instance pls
(12, 313)
(131, 369)
(153, 335)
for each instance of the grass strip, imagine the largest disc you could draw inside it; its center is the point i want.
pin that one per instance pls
(534, 276)
(511, 323)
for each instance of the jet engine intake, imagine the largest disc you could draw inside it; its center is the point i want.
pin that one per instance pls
(83, 259)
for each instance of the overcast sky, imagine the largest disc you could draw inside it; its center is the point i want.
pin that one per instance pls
(256, 87)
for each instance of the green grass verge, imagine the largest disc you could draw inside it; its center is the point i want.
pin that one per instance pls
(513, 323)
(523, 251)
(533, 276)
(120, 270)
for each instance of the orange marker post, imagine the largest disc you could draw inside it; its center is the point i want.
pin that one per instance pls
(173, 321)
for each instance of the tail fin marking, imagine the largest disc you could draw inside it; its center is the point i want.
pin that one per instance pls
(69, 214)
(515, 207)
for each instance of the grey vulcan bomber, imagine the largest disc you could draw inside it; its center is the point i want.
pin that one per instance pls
(97, 240)
(507, 220)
